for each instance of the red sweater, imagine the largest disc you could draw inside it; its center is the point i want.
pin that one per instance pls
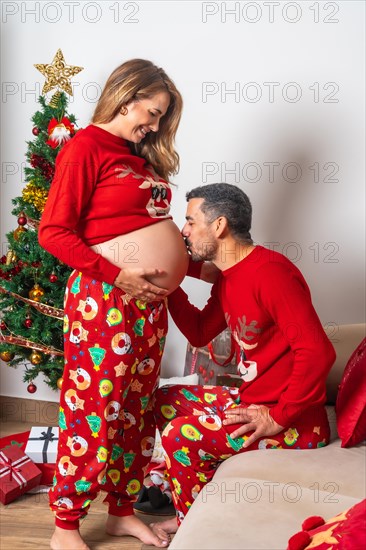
(283, 352)
(100, 191)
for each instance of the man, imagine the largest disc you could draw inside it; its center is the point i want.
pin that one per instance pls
(284, 355)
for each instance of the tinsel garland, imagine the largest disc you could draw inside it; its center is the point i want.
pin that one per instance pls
(34, 224)
(46, 168)
(35, 195)
(24, 343)
(8, 260)
(50, 311)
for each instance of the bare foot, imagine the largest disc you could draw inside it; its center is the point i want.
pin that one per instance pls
(168, 526)
(133, 526)
(64, 539)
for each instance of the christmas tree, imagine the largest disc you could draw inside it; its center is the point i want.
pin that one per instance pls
(32, 282)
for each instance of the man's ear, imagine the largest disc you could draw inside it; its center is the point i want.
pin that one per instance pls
(221, 227)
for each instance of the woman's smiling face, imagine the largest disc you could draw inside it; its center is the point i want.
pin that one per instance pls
(143, 116)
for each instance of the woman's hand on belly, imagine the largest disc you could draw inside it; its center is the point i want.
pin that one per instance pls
(153, 260)
(134, 281)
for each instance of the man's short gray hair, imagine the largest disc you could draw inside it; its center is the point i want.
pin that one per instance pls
(223, 199)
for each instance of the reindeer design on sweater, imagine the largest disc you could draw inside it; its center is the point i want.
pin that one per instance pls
(243, 332)
(158, 204)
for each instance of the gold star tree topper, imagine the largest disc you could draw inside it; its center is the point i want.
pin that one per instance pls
(58, 74)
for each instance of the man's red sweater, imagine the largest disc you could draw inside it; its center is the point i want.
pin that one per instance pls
(284, 353)
(100, 191)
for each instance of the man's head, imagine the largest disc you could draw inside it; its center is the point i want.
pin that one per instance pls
(216, 212)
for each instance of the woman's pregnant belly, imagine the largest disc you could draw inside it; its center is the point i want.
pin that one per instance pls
(159, 245)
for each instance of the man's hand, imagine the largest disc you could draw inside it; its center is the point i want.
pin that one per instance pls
(254, 417)
(135, 282)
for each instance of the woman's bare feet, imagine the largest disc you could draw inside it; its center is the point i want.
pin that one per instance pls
(133, 526)
(64, 539)
(168, 526)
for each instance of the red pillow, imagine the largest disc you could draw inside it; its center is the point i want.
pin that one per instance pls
(351, 399)
(343, 532)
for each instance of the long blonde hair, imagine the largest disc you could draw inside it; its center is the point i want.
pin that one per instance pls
(139, 79)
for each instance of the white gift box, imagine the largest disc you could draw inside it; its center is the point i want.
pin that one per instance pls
(42, 444)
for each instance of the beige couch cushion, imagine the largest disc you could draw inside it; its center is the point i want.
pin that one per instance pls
(267, 523)
(344, 468)
(259, 499)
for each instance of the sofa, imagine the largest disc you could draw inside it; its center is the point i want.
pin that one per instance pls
(259, 499)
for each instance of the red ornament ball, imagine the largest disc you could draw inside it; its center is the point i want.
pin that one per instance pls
(32, 388)
(22, 220)
(28, 323)
(35, 131)
(53, 278)
(2, 325)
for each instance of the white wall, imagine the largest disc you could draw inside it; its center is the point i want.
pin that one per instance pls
(311, 115)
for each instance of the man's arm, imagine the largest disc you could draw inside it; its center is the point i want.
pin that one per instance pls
(286, 296)
(198, 326)
(205, 271)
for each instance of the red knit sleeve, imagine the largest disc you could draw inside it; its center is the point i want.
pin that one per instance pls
(198, 326)
(194, 269)
(284, 293)
(75, 179)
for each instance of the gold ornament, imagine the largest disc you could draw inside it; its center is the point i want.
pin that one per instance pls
(9, 257)
(59, 382)
(35, 195)
(58, 74)
(35, 357)
(6, 356)
(36, 293)
(55, 99)
(18, 231)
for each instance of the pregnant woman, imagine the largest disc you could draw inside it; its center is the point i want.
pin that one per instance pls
(107, 216)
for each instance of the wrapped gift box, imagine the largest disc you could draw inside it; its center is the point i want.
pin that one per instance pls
(48, 471)
(42, 444)
(18, 474)
(20, 440)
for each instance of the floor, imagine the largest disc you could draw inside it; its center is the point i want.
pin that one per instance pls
(27, 523)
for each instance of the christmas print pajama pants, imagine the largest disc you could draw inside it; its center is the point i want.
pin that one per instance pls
(113, 347)
(195, 440)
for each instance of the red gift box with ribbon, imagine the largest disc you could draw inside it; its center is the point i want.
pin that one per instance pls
(20, 440)
(18, 474)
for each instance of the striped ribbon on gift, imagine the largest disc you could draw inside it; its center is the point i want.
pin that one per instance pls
(13, 467)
